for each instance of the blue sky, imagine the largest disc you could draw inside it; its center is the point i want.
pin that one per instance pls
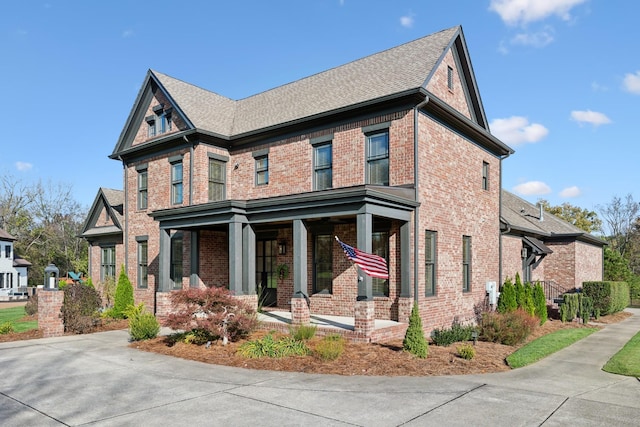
(559, 79)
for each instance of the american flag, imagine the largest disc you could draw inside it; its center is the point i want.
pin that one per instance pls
(372, 265)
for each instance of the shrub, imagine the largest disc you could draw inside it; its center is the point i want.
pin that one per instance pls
(634, 290)
(457, 333)
(507, 328)
(89, 283)
(540, 303)
(142, 325)
(609, 297)
(570, 308)
(107, 290)
(520, 292)
(268, 346)
(80, 308)
(414, 341)
(507, 299)
(31, 307)
(466, 351)
(303, 332)
(330, 347)
(528, 303)
(208, 310)
(6, 328)
(123, 297)
(586, 308)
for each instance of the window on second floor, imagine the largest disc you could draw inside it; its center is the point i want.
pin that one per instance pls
(485, 175)
(142, 189)
(322, 167)
(217, 180)
(262, 170)
(176, 182)
(450, 78)
(378, 158)
(7, 251)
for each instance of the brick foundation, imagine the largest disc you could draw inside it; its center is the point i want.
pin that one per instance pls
(50, 320)
(300, 314)
(405, 305)
(365, 319)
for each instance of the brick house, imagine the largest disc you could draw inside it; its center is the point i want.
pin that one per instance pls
(391, 153)
(542, 247)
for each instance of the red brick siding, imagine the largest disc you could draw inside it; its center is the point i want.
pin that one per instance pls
(49, 313)
(560, 265)
(588, 262)
(143, 131)
(438, 85)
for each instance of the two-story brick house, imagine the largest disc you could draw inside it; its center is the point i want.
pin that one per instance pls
(391, 153)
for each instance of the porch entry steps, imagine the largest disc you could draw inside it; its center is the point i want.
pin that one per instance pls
(326, 325)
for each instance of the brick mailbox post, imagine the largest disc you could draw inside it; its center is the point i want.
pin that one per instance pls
(50, 299)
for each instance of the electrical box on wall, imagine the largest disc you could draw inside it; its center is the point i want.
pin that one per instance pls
(492, 293)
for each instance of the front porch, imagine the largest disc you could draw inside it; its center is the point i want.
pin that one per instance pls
(383, 330)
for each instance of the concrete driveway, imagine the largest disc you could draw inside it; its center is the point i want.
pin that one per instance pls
(97, 380)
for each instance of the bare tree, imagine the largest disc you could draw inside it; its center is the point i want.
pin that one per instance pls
(620, 216)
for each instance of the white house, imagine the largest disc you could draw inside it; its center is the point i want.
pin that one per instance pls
(13, 269)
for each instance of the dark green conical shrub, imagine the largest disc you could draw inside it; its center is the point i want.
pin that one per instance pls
(414, 341)
(124, 296)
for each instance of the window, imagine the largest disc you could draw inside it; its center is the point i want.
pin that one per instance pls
(262, 170)
(143, 263)
(108, 262)
(176, 261)
(217, 180)
(450, 78)
(151, 127)
(380, 246)
(322, 167)
(323, 264)
(430, 262)
(142, 189)
(466, 263)
(176, 182)
(485, 175)
(378, 158)
(7, 251)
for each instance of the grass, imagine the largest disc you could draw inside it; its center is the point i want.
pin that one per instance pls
(546, 345)
(627, 360)
(14, 315)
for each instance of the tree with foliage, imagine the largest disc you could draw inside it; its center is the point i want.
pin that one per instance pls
(540, 302)
(124, 295)
(620, 217)
(507, 300)
(616, 268)
(414, 341)
(582, 218)
(520, 292)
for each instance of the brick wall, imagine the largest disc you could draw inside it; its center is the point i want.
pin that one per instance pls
(49, 315)
(560, 265)
(588, 262)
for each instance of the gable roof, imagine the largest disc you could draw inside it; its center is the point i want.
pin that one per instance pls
(6, 236)
(522, 217)
(391, 74)
(113, 202)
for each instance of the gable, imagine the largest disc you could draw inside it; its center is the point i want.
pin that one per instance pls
(105, 215)
(458, 95)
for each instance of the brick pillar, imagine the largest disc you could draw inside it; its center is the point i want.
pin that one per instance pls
(50, 320)
(300, 314)
(405, 305)
(163, 305)
(250, 300)
(365, 318)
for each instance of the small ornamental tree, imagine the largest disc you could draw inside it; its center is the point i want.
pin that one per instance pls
(520, 292)
(529, 304)
(414, 341)
(507, 300)
(540, 302)
(123, 297)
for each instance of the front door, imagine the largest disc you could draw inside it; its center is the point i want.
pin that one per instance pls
(266, 277)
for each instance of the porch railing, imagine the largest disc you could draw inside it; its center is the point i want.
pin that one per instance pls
(553, 290)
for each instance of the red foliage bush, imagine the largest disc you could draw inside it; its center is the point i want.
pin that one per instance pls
(205, 310)
(509, 328)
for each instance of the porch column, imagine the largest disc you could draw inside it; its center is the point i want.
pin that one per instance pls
(164, 262)
(299, 309)
(248, 260)
(194, 277)
(405, 261)
(235, 258)
(364, 225)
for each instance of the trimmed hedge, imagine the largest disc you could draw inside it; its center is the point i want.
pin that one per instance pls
(608, 297)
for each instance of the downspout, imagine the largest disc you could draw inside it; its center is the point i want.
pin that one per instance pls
(125, 233)
(416, 180)
(500, 234)
(190, 173)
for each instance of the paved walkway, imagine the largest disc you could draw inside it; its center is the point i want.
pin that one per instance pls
(98, 380)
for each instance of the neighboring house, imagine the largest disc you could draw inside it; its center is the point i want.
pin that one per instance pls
(103, 229)
(391, 153)
(542, 247)
(13, 269)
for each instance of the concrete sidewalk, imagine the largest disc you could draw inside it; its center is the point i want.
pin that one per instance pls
(97, 379)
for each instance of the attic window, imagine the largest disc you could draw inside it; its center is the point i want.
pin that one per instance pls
(450, 78)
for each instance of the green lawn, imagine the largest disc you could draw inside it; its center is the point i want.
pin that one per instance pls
(627, 360)
(14, 315)
(546, 345)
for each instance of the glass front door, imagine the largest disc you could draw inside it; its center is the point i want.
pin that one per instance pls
(266, 277)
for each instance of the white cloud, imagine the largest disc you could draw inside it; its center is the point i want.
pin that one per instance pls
(521, 12)
(597, 87)
(632, 83)
(516, 130)
(407, 21)
(23, 166)
(570, 192)
(592, 117)
(532, 188)
(127, 33)
(539, 39)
